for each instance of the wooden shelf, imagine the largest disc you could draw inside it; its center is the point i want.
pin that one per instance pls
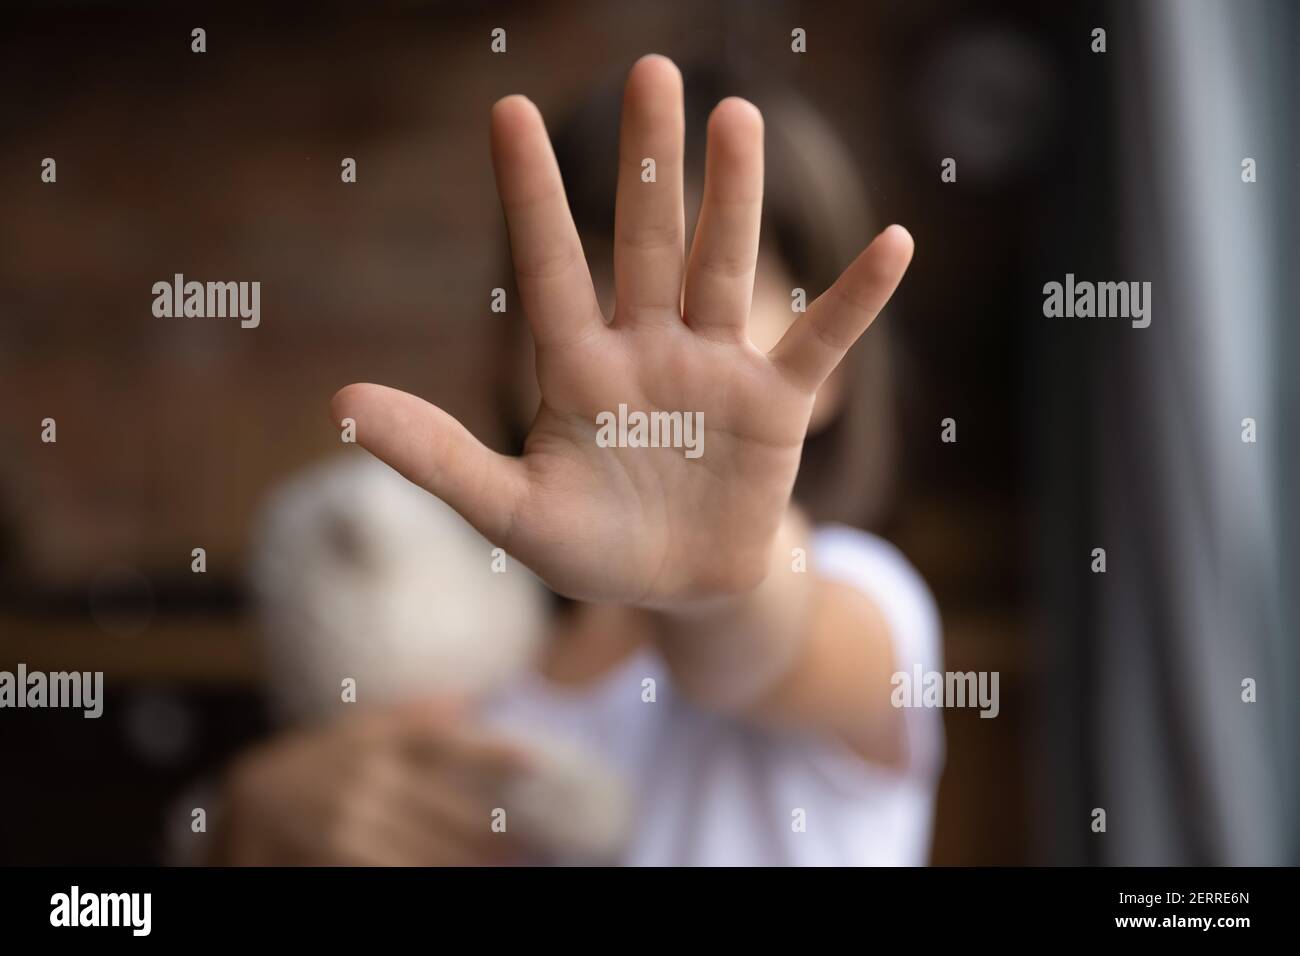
(191, 649)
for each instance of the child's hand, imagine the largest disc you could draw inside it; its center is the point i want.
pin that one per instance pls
(405, 785)
(640, 525)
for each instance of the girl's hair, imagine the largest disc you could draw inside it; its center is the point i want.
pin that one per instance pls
(814, 222)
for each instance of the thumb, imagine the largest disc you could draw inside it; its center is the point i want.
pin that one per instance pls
(429, 447)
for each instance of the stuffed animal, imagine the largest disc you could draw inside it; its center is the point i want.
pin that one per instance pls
(359, 575)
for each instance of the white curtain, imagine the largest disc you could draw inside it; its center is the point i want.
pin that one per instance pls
(1199, 526)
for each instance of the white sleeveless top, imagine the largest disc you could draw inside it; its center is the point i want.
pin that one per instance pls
(712, 791)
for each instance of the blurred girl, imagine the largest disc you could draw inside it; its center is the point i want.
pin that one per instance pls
(717, 643)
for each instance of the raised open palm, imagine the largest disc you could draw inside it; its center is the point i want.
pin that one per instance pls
(640, 525)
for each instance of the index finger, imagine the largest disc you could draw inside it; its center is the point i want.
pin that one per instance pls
(554, 281)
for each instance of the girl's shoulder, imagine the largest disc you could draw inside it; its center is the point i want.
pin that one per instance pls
(878, 568)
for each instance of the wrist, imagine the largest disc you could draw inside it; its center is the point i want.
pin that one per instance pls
(744, 582)
(727, 651)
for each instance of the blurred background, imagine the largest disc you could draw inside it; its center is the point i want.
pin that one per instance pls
(1119, 690)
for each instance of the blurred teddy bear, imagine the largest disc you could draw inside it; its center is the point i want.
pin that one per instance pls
(357, 573)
